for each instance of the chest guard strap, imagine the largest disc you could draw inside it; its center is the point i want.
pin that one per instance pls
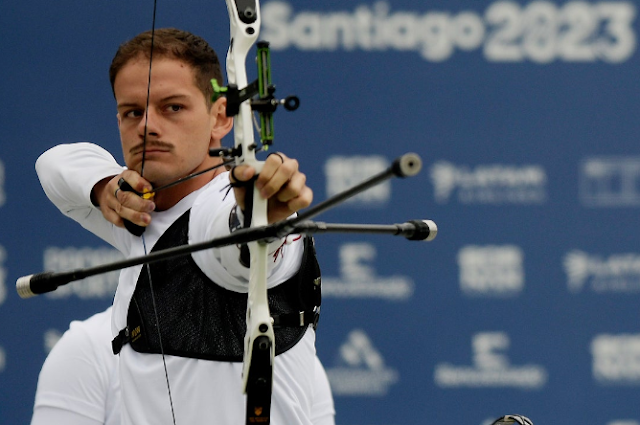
(200, 319)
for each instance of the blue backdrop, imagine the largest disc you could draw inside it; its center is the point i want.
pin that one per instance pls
(526, 116)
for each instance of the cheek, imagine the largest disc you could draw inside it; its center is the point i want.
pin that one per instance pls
(127, 144)
(127, 131)
(192, 154)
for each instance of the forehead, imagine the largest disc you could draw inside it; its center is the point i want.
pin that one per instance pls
(167, 74)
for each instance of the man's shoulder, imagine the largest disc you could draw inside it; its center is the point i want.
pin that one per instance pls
(96, 327)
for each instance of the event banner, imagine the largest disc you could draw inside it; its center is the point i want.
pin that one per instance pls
(525, 114)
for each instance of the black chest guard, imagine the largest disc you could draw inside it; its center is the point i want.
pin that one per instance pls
(199, 319)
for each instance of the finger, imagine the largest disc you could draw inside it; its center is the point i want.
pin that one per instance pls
(278, 155)
(134, 202)
(292, 188)
(276, 176)
(303, 200)
(136, 181)
(111, 215)
(134, 216)
(128, 205)
(272, 165)
(241, 173)
(282, 210)
(128, 182)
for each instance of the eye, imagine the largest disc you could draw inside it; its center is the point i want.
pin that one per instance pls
(174, 108)
(133, 113)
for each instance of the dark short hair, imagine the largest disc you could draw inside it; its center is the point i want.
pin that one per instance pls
(176, 44)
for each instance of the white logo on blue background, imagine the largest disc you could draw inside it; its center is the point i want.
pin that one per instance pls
(610, 182)
(616, 359)
(491, 270)
(618, 273)
(489, 184)
(3, 275)
(504, 32)
(491, 367)
(360, 368)
(71, 258)
(359, 279)
(344, 172)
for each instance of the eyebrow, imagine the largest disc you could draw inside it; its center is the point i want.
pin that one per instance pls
(170, 98)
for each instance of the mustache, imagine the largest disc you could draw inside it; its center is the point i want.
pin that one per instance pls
(154, 144)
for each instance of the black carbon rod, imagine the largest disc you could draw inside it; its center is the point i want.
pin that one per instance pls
(407, 165)
(423, 230)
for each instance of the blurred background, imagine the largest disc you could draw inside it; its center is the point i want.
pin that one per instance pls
(525, 114)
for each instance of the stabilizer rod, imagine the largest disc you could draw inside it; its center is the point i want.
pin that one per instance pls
(404, 166)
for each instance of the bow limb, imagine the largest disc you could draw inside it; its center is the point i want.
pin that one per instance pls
(259, 345)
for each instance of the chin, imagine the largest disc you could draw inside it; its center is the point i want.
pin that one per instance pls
(159, 176)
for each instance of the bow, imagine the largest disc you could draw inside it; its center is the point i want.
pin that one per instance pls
(259, 342)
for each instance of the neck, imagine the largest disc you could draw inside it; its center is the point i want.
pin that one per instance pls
(169, 197)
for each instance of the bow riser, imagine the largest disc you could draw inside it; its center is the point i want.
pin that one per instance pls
(259, 345)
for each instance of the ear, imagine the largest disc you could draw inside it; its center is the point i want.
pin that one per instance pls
(221, 124)
(119, 119)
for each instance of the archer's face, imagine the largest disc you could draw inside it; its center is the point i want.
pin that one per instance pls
(180, 126)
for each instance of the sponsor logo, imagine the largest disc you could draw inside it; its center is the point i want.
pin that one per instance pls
(491, 367)
(99, 286)
(489, 184)
(618, 273)
(358, 278)
(344, 172)
(540, 32)
(3, 195)
(610, 182)
(360, 369)
(616, 359)
(491, 270)
(3, 275)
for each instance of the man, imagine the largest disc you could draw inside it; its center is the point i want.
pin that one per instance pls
(201, 298)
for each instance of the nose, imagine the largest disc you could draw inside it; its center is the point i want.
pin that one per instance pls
(149, 124)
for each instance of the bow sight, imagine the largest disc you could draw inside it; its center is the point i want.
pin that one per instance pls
(260, 94)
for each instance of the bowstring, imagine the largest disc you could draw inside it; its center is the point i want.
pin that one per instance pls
(144, 243)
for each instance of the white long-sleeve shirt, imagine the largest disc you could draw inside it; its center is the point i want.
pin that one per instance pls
(79, 382)
(203, 391)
